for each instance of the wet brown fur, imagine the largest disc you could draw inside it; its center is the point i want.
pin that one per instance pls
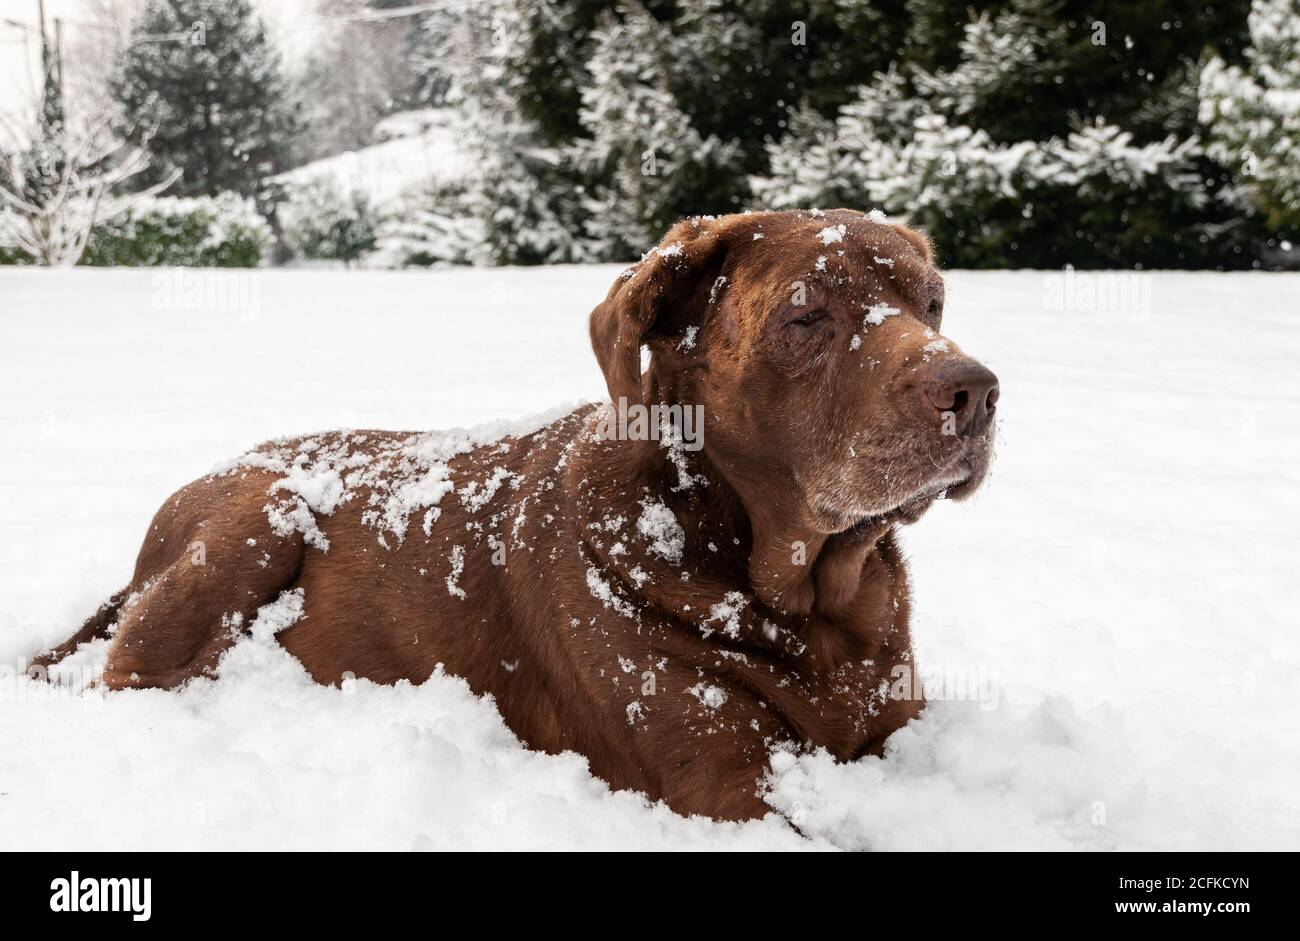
(804, 443)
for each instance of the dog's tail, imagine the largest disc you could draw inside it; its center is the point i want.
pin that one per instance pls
(96, 627)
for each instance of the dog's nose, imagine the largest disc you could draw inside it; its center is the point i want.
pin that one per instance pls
(964, 393)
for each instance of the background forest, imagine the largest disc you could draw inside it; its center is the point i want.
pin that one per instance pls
(1025, 133)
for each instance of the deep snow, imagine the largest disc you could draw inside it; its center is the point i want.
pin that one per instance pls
(1122, 592)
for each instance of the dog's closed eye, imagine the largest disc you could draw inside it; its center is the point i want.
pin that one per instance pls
(808, 318)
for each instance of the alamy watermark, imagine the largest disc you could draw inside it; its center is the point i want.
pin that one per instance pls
(679, 424)
(1102, 292)
(67, 681)
(183, 289)
(970, 683)
(79, 893)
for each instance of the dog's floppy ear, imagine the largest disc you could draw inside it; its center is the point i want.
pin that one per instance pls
(646, 294)
(918, 240)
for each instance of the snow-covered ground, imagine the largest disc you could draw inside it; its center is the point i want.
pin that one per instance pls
(1124, 590)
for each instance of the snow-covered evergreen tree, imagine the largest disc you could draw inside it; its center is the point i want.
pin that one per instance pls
(1252, 114)
(917, 144)
(1100, 156)
(806, 168)
(821, 162)
(322, 221)
(1002, 57)
(200, 80)
(432, 227)
(528, 191)
(430, 53)
(643, 150)
(520, 202)
(892, 149)
(712, 51)
(934, 33)
(45, 159)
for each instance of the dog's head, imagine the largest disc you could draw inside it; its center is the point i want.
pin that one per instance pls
(811, 339)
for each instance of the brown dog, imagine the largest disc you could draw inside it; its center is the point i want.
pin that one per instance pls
(671, 601)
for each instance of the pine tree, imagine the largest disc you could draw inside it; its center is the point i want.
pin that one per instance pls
(204, 85)
(1021, 132)
(651, 165)
(934, 32)
(973, 153)
(806, 166)
(432, 53)
(523, 188)
(893, 149)
(521, 199)
(433, 227)
(1005, 59)
(44, 162)
(1252, 114)
(712, 50)
(322, 221)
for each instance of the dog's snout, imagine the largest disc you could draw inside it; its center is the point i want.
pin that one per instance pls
(966, 390)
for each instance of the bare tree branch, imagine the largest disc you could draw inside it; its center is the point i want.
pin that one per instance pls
(91, 164)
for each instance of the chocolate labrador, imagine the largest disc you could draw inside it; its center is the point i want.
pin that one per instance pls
(672, 583)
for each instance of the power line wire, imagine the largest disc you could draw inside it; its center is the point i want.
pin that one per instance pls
(366, 16)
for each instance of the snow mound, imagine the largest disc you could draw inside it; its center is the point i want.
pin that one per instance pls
(266, 757)
(1032, 777)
